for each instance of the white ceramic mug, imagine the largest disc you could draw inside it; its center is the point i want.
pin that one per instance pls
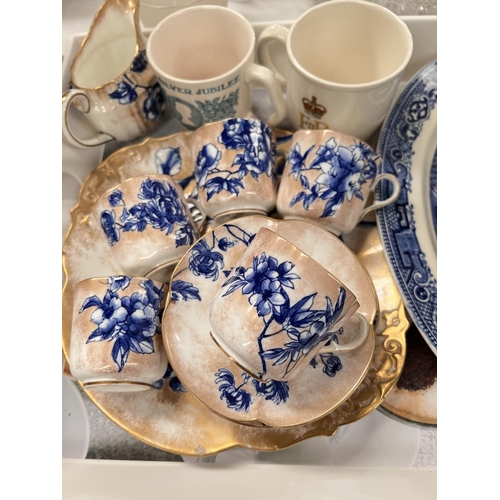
(346, 59)
(203, 57)
(328, 179)
(279, 307)
(113, 85)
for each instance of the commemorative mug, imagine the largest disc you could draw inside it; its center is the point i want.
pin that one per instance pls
(278, 308)
(235, 168)
(112, 84)
(328, 179)
(116, 342)
(203, 57)
(147, 223)
(346, 60)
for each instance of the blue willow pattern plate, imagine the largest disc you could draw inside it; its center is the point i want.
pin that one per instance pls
(408, 227)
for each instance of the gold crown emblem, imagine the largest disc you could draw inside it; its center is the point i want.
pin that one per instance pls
(317, 110)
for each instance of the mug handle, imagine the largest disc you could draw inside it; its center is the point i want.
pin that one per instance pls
(272, 33)
(97, 140)
(383, 203)
(354, 343)
(257, 73)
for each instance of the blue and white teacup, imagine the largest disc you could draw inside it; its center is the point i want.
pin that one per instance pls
(147, 223)
(278, 308)
(116, 341)
(235, 168)
(328, 179)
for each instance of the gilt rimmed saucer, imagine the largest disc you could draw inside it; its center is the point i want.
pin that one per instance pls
(169, 417)
(214, 378)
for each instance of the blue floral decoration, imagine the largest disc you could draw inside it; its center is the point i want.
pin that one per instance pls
(162, 210)
(126, 90)
(254, 137)
(331, 363)
(235, 397)
(182, 290)
(341, 173)
(265, 283)
(169, 161)
(130, 322)
(272, 390)
(173, 381)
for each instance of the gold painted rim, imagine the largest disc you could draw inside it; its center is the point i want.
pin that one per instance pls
(387, 363)
(86, 385)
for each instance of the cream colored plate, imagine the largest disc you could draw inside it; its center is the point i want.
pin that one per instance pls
(175, 421)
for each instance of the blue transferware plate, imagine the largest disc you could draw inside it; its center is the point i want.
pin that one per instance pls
(408, 227)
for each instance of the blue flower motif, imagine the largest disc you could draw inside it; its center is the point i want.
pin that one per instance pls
(272, 390)
(204, 261)
(182, 290)
(264, 282)
(154, 103)
(296, 160)
(224, 244)
(140, 62)
(124, 94)
(332, 364)
(208, 159)
(131, 321)
(235, 134)
(109, 227)
(236, 398)
(169, 161)
(343, 170)
(115, 198)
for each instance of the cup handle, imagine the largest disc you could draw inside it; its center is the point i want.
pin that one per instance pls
(276, 32)
(97, 140)
(256, 73)
(383, 203)
(200, 224)
(364, 329)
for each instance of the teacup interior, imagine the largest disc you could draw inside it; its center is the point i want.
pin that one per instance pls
(350, 43)
(108, 51)
(200, 44)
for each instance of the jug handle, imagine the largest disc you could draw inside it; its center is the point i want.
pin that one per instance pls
(97, 140)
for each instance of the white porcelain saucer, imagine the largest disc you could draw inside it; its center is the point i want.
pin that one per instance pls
(219, 383)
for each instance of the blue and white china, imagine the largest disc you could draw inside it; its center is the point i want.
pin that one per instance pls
(408, 227)
(345, 61)
(207, 373)
(203, 57)
(278, 309)
(147, 222)
(235, 168)
(112, 83)
(116, 342)
(328, 179)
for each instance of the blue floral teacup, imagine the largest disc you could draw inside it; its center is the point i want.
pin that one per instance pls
(328, 178)
(116, 342)
(278, 308)
(235, 168)
(147, 223)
